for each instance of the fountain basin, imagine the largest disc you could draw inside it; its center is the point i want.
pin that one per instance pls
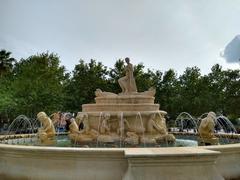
(228, 162)
(31, 162)
(42, 162)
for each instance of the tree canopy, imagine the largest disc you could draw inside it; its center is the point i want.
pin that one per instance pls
(40, 83)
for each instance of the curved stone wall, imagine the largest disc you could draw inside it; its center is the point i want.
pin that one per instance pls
(29, 162)
(119, 107)
(125, 99)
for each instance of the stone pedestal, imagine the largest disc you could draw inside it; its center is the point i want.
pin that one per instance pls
(171, 163)
(208, 141)
(135, 109)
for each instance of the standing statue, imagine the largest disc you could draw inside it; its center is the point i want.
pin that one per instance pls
(127, 83)
(206, 130)
(47, 132)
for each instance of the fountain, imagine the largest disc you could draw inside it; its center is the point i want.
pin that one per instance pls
(116, 118)
(119, 120)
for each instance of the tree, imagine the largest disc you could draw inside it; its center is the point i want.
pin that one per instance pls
(87, 77)
(232, 93)
(216, 89)
(190, 90)
(6, 62)
(168, 92)
(38, 84)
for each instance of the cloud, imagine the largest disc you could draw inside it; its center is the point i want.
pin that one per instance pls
(161, 34)
(232, 51)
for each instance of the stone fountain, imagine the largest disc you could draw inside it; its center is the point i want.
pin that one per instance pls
(130, 117)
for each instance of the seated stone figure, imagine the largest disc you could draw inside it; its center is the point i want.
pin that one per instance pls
(105, 130)
(82, 118)
(47, 131)
(157, 123)
(123, 127)
(157, 129)
(127, 83)
(206, 128)
(131, 138)
(84, 135)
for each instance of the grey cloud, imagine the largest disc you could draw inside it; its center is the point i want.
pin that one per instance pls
(161, 34)
(232, 50)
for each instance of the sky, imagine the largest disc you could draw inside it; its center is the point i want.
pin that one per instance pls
(160, 34)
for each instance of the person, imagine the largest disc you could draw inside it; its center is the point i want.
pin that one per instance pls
(127, 83)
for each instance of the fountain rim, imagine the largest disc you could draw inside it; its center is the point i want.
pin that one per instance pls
(223, 147)
(127, 152)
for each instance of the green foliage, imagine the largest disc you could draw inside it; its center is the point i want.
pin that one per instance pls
(6, 62)
(39, 83)
(87, 77)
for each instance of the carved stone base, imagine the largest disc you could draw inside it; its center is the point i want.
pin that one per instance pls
(80, 138)
(105, 139)
(166, 138)
(208, 141)
(148, 140)
(157, 138)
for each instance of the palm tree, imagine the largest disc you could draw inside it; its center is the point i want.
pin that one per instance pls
(6, 62)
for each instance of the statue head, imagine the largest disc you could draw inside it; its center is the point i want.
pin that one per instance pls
(127, 60)
(212, 115)
(98, 92)
(41, 116)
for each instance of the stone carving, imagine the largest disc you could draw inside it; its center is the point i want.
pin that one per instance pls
(47, 132)
(123, 126)
(86, 134)
(131, 138)
(206, 130)
(157, 129)
(82, 121)
(105, 128)
(124, 118)
(150, 92)
(127, 83)
(157, 122)
(105, 131)
(100, 93)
